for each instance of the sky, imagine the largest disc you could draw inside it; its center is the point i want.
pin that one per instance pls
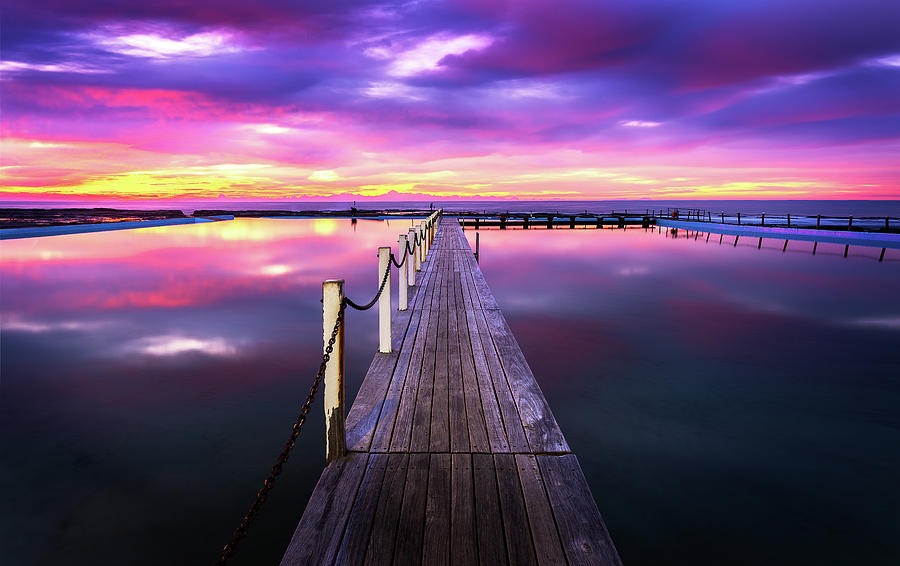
(471, 99)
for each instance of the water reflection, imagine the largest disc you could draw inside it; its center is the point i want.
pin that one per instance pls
(150, 376)
(730, 404)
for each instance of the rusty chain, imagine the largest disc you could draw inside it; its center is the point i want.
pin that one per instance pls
(348, 302)
(263, 492)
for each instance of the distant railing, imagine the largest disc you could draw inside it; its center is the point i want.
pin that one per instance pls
(787, 220)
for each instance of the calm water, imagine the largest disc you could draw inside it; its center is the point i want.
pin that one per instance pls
(728, 404)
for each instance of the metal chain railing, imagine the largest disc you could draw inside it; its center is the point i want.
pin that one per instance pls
(370, 304)
(269, 483)
(401, 264)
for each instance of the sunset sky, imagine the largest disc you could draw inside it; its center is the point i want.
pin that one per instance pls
(333, 99)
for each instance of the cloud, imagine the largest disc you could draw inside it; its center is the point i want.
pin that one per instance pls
(156, 46)
(173, 345)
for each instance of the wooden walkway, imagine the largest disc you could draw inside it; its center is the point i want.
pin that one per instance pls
(455, 457)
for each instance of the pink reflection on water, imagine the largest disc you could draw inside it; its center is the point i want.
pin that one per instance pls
(181, 266)
(169, 313)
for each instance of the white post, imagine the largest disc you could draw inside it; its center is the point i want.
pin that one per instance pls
(425, 236)
(335, 437)
(384, 302)
(402, 291)
(419, 249)
(411, 261)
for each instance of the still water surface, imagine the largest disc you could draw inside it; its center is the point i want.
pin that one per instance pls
(728, 404)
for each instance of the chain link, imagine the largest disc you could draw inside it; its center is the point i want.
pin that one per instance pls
(370, 304)
(394, 261)
(263, 493)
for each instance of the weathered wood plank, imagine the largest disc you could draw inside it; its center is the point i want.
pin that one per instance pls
(547, 545)
(436, 547)
(495, 430)
(541, 429)
(583, 534)
(326, 513)
(397, 434)
(412, 513)
(459, 425)
(359, 525)
(519, 547)
(387, 513)
(381, 436)
(463, 540)
(440, 404)
(509, 412)
(475, 419)
(488, 520)
(421, 423)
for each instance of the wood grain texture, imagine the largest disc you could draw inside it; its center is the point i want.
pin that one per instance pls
(359, 525)
(387, 513)
(520, 549)
(436, 544)
(411, 527)
(326, 513)
(583, 534)
(463, 538)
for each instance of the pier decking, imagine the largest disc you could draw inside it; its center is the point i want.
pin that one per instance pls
(454, 455)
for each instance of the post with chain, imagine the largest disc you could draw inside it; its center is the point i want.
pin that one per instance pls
(411, 261)
(425, 230)
(402, 291)
(419, 248)
(335, 437)
(424, 244)
(384, 301)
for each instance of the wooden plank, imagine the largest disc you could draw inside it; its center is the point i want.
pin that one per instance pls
(436, 546)
(496, 433)
(489, 525)
(397, 434)
(367, 406)
(541, 429)
(465, 286)
(540, 517)
(421, 423)
(387, 513)
(326, 513)
(584, 537)
(519, 547)
(412, 512)
(509, 412)
(359, 525)
(463, 540)
(459, 425)
(440, 403)
(475, 419)
(384, 426)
